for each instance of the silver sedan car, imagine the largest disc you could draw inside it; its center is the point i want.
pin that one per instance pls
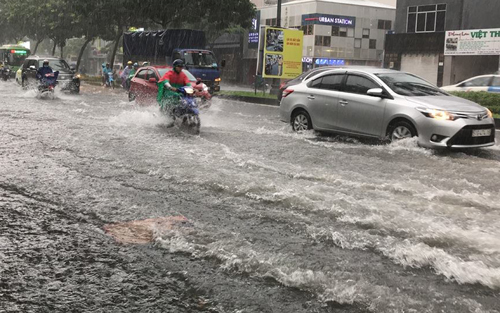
(382, 103)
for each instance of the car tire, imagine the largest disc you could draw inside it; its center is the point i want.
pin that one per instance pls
(301, 121)
(401, 130)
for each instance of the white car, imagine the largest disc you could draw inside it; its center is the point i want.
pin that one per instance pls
(489, 83)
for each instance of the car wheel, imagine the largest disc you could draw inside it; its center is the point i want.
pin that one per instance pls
(131, 96)
(401, 130)
(301, 121)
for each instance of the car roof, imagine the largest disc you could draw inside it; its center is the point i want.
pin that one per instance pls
(43, 57)
(365, 69)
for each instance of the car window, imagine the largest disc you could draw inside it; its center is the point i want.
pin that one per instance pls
(330, 82)
(477, 82)
(150, 74)
(496, 81)
(359, 84)
(56, 65)
(142, 74)
(409, 85)
(32, 62)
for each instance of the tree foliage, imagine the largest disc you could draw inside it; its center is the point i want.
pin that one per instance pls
(61, 20)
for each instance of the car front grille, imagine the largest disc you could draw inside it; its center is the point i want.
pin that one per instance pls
(464, 136)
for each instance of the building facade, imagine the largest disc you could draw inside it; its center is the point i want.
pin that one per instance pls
(417, 46)
(336, 32)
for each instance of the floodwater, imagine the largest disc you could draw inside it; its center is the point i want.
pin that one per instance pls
(104, 209)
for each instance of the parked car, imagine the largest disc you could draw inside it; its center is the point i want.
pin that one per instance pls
(490, 83)
(301, 77)
(384, 103)
(144, 88)
(67, 80)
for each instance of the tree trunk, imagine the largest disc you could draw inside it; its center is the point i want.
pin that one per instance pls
(54, 48)
(82, 50)
(36, 45)
(62, 52)
(117, 42)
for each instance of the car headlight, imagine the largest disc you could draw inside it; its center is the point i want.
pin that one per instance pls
(441, 115)
(490, 115)
(218, 79)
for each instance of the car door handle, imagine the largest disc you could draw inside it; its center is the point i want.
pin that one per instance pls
(343, 103)
(311, 97)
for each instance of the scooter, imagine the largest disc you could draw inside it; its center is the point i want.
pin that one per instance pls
(186, 114)
(48, 84)
(110, 82)
(5, 73)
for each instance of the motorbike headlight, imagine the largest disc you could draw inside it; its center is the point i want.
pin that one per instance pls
(78, 76)
(490, 115)
(441, 115)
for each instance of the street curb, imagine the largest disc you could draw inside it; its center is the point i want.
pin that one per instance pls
(265, 101)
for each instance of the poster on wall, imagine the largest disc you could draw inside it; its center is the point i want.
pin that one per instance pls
(472, 42)
(282, 53)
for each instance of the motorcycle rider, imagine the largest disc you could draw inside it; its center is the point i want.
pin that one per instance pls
(169, 84)
(125, 74)
(105, 72)
(44, 70)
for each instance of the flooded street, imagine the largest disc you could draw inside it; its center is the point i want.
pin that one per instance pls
(104, 209)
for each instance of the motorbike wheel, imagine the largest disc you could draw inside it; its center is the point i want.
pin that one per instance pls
(131, 97)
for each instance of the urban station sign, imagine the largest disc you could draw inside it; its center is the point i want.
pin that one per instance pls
(282, 52)
(327, 19)
(472, 42)
(253, 33)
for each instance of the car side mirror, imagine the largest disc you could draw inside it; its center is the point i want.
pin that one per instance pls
(375, 92)
(223, 63)
(152, 80)
(32, 67)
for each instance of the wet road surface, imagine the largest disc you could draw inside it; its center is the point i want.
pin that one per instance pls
(103, 209)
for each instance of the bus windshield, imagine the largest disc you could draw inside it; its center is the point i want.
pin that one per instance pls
(200, 59)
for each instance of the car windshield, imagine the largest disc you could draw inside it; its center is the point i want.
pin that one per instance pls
(409, 85)
(56, 65)
(200, 59)
(190, 76)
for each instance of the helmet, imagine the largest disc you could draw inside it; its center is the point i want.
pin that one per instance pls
(136, 64)
(145, 63)
(45, 62)
(178, 62)
(107, 64)
(129, 63)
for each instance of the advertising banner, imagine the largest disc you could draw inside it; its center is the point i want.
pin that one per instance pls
(253, 34)
(472, 42)
(282, 53)
(327, 19)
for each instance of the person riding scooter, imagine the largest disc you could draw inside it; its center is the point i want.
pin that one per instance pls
(169, 83)
(125, 74)
(44, 70)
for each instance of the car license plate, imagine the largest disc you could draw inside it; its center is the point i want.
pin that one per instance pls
(481, 132)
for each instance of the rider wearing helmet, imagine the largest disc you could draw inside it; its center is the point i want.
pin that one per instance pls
(170, 82)
(44, 70)
(125, 74)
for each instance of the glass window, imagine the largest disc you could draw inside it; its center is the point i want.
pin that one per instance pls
(496, 81)
(357, 43)
(200, 59)
(421, 22)
(410, 85)
(308, 29)
(56, 65)
(324, 41)
(412, 9)
(343, 32)
(384, 24)
(440, 20)
(366, 33)
(330, 82)
(412, 20)
(430, 18)
(427, 8)
(150, 74)
(359, 84)
(373, 44)
(441, 7)
(477, 82)
(142, 74)
(335, 30)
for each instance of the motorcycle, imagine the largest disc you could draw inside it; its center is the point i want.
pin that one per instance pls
(202, 94)
(5, 73)
(185, 113)
(110, 81)
(48, 84)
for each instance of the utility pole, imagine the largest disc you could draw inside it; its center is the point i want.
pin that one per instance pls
(275, 85)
